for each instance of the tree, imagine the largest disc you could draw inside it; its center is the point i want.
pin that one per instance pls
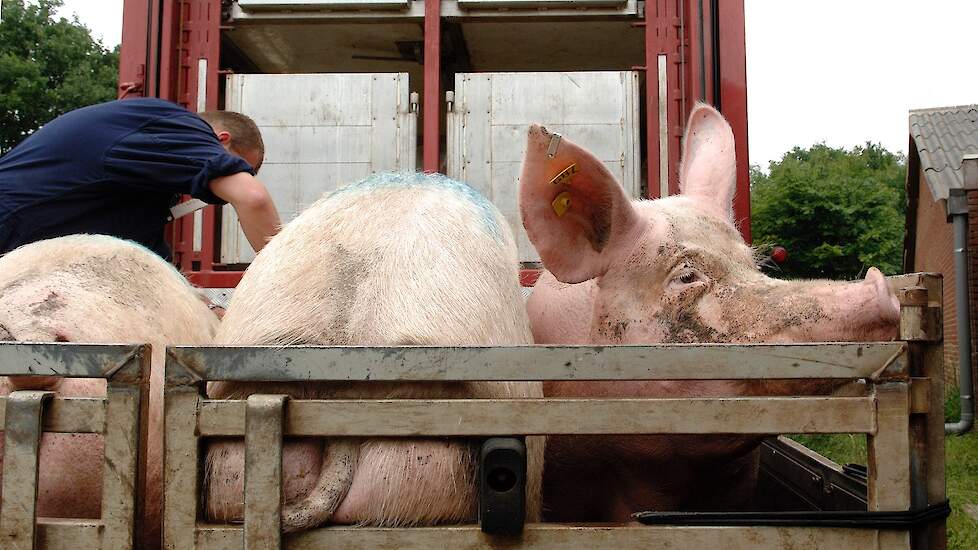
(48, 67)
(837, 211)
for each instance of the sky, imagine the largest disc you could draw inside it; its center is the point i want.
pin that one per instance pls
(841, 72)
(846, 72)
(102, 17)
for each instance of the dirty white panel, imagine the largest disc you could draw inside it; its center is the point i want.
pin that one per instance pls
(536, 4)
(322, 4)
(321, 132)
(319, 10)
(487, 129)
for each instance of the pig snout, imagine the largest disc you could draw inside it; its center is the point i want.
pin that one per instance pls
(874, 311)
(889, 305)
(864, 310)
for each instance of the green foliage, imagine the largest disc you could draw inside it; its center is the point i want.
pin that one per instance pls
(837, 211)
(48, 67)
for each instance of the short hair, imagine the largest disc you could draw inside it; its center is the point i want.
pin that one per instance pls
(244, 132)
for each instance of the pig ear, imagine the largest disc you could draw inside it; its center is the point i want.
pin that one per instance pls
(575, 213)
(708, 172)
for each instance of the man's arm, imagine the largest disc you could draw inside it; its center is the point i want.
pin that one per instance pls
(250, 199)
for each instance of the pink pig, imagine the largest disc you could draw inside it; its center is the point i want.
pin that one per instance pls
(671, 270)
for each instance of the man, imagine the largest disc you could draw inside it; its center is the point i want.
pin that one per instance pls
(117, 168)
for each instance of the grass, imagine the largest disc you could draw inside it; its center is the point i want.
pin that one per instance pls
(961, 468)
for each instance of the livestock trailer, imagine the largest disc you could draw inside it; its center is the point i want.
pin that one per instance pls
(893, 395)
(342, 88)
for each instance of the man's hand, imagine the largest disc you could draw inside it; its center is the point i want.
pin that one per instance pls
(250, 199)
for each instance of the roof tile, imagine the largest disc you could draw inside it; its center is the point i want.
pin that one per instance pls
(942, 135)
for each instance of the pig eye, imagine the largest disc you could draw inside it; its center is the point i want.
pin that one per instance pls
(686, 276)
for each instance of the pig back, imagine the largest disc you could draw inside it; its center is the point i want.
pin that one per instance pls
(396, 259)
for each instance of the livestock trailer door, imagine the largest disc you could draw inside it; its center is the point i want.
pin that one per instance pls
(321, 132)
(487, 127)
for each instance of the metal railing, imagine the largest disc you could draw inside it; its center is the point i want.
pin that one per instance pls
(119, 417)
(899, 409)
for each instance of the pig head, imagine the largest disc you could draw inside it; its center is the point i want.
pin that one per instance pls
(673, 270)
(392, 260)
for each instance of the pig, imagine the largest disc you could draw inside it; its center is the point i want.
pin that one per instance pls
(391, 260)
(96, 289)
(673, 270)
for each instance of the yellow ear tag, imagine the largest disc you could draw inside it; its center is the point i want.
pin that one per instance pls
(564, 175)
(561, 203)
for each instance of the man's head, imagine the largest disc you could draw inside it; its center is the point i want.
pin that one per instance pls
(238, 134)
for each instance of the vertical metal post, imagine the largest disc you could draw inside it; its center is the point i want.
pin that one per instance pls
(180, 457)
(198, 216)
(732, 52)
(920, 327)
(700, 63)
(198, 57)
(664, 37)
(264, 420)
(22, 431)
(889, 460)
(663, 129)
(137, 56)
(124, 485)
(653, 113)
(432, 85)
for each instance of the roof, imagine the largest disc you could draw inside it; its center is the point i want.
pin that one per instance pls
(941, 137)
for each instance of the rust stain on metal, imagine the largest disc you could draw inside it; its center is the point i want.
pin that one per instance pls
(189, 363)
(117, 372)
(896, 367)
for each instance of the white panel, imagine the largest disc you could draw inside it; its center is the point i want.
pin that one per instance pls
(519, 97)
(598, 110)
(604, 141)
(324, 4)
(306, 99)
(321, 131)
(505, 190)
(313, 10)
(407, 126)
(384, 111)
(580, 91)
(476, 133)
(533, 4)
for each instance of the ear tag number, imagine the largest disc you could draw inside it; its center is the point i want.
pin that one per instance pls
(564, 175)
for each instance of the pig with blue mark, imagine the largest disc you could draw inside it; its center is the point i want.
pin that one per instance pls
(392, 260)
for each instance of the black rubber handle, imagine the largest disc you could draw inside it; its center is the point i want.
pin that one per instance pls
(502, 486)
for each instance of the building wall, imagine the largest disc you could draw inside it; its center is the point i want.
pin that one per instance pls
(933, 253)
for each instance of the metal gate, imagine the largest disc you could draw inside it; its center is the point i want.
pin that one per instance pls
(487, 129)
(321, 132)
(896, 399)
(120, 418)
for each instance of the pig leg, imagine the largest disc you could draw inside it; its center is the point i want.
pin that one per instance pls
(335, 479)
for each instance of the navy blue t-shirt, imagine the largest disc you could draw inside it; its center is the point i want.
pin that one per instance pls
(113, 169)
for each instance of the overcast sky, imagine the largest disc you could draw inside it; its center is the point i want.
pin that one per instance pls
(838, 71)
(845, 71)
